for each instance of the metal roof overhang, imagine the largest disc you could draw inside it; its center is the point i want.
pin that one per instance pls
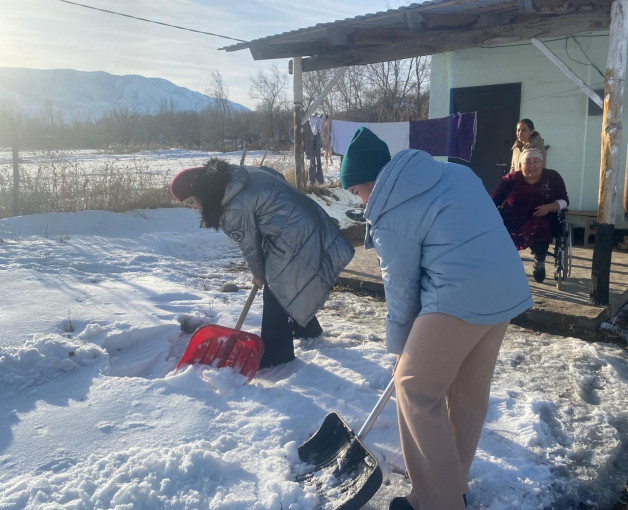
(430, 28)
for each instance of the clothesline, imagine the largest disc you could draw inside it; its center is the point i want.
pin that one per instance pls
(452, 136)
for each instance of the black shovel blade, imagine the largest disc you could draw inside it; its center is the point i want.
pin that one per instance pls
(332, 437)
(346, 475)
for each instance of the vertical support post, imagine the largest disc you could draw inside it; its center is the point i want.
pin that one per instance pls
(16, 172)
(626, 187)
(243, 157)
(299, 162)
(609, 165)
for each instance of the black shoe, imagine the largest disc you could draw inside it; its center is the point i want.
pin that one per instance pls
(539, 271)
(267, 363)
(400, 504)
(464, 498)
(311, 330)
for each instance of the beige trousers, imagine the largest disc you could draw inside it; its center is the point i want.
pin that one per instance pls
(443, 382)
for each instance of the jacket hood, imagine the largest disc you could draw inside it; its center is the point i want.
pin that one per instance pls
(397, 182)
(237, 182)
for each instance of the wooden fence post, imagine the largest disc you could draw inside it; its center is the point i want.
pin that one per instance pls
(243, 157)
(609, 164)
(16, 174)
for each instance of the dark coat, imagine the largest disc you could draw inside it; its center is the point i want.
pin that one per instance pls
(518, 200)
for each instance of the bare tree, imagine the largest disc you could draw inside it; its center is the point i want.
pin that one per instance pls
(269, 88)
(383, 92)
(221, 108)
(313, 84)
(119, 124)
(9, 120)
(351, 92)
(393, 88)
(423, 71)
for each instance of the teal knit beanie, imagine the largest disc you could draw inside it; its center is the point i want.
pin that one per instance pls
(365, 156)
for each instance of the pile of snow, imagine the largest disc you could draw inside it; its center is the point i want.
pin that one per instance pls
(42, 358)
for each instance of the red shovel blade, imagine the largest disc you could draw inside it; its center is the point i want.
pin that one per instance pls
(219, 347)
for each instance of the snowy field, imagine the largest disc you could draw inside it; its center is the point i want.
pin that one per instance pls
(93, 416)
(165, 162)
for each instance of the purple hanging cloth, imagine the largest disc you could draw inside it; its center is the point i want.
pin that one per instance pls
(452, 136)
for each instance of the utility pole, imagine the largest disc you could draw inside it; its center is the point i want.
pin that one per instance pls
(609, 165)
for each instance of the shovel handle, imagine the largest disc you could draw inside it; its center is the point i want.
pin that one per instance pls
(247, 305)
(370, 421)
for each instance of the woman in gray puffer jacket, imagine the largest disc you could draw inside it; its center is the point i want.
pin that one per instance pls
(292, 247)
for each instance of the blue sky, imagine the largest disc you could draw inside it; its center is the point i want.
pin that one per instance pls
(51, 34)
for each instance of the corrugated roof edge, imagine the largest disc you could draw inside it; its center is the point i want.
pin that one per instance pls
(242, 46)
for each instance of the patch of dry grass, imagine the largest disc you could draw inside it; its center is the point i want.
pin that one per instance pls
(68, 187)
(59, 185)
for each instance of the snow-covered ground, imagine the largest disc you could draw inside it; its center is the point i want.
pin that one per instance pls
(165, 162)
(93, 416)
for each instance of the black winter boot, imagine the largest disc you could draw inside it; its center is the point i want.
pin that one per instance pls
(539, 271)
(311, 330)
(400, 504)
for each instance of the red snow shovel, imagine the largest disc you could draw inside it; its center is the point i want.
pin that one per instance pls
(345, 474)
(219, 347)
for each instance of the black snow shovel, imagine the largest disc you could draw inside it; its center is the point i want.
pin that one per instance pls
(345, 474)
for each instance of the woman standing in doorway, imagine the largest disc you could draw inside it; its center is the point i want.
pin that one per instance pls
(527, 138)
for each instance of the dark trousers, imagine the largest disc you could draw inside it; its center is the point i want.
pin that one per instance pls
(539, 250)
(316, 168)
(279, 331)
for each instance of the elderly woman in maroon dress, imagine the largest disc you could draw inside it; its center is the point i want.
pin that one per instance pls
(529, 199)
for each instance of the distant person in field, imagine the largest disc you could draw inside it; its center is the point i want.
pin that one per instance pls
(293, 248)
(453, 280)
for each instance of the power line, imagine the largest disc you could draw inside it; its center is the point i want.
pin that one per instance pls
(151, 21)
(587, 57)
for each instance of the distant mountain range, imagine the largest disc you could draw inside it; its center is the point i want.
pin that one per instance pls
(80, 95)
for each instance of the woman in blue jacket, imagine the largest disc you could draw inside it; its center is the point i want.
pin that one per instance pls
(453, 280)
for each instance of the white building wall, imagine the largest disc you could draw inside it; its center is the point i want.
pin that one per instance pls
(553, 102)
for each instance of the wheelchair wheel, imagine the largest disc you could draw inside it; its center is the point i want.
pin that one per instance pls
(559, 276)
(568, 245)
(562, 257)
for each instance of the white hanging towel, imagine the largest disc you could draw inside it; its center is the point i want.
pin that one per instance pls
(395, 134)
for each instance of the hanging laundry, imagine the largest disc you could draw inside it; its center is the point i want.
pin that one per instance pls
(312, 147)
(316, 123)
(395, 134)
(453, 136)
